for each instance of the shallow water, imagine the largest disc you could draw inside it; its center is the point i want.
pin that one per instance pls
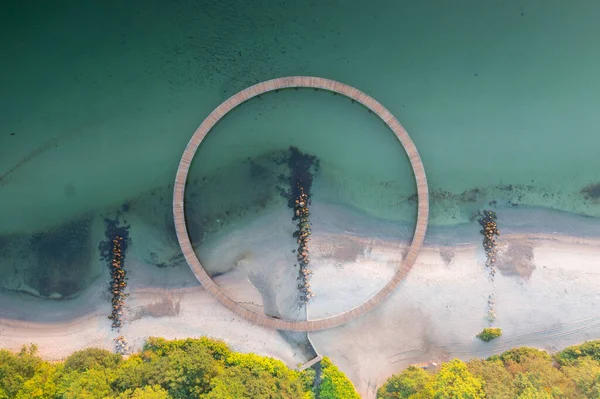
(99, 101)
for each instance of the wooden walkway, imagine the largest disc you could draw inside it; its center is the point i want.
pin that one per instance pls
(316, 83)
(310, 363)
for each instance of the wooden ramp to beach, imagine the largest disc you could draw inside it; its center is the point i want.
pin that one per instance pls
(310, 363)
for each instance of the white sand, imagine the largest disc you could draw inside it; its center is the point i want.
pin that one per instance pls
(546, 296)
(197, 314)
(436, 313)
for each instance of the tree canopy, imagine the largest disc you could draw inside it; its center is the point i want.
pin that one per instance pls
(334, 384)
(406, 384)
(180, 369)
(522, 373)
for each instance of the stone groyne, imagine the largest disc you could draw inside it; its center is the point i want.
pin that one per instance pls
(113, 251)
(302, 169)
(301, 215)
(118, 283)
(490, 231)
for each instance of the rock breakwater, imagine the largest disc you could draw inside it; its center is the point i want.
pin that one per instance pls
(302, 234)
(490, 231)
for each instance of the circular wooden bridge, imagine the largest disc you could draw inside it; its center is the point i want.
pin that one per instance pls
(300, 82)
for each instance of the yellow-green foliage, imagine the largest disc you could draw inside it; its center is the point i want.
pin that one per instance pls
(42, 385)
(253, 376)
(521, 373)
(570, 355)
(455, 381)
(497, 381)
(90, 384)
(521, 355)
(406, 384)
(489, 334)
(585, 374)
(16, 369)
(147, 392)
(91, 358)
(192, 368)
(334, 384)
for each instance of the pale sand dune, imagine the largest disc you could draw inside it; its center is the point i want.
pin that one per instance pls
(545, 291)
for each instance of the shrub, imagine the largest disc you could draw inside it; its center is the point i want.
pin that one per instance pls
(489, 334)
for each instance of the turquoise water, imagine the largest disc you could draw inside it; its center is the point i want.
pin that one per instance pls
(98, 101)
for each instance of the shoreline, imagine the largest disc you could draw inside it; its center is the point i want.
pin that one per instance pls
(96, 292)
(545, 294)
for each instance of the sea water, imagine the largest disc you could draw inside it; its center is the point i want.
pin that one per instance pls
(99, 100)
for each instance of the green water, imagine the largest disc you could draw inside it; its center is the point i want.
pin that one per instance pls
(99, 99)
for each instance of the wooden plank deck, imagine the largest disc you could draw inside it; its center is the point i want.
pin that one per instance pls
(302, 82)
(310, 363)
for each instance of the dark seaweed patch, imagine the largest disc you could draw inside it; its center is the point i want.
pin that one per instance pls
(3, 244)
(114, 228)
(302, 169)
(592, 191)
(126, 206)
(160, 265)
(471, 195)
(61, 255)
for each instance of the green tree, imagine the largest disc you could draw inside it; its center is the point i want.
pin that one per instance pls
(92, 358)
(239, 382)
(405, 385)
(43, 384)
(540, 371)
(134, 372)
(497, 381)
(589, 349)
(16, 369)
(585, 372)
(308, 381)
(522, 354)
(454, 381)
(94, 383)
(534, 393)
(191, 368)
(184, 368)
(252, 376)
(217, 348)
(529, 387)
(147, 392)
(334, 383)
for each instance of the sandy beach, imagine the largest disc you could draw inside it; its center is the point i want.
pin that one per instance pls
(545, 291)
(100, 101)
